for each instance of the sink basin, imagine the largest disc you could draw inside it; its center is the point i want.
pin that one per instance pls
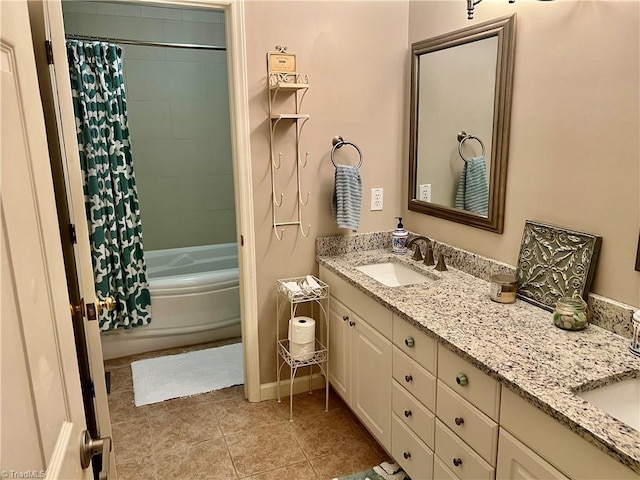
(620, 400)
(393, 274)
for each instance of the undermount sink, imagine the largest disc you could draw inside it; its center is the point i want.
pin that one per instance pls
(393, 274)
(621, 400)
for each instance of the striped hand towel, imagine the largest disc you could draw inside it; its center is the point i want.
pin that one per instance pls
(347, 197)
(473, 191)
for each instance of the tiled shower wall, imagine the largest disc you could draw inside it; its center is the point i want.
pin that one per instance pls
(178, 117)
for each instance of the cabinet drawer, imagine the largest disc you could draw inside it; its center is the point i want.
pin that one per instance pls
(371, 311)
(440, 471)
(469, 382)
(420, 383)
(463, 461)
(412, 455)
(414, 414)
(418, 345)
(516, 460)
(467, 422)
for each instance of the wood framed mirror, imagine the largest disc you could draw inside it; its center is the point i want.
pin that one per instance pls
(461, 89)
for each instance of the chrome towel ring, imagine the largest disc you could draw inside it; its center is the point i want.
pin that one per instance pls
(463, 137)
(338, 142)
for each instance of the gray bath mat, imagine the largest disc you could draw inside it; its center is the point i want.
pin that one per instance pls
(186, 374)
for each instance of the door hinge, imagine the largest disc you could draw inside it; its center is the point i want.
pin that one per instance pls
(92, 388)
(241, 240)
(49, 49)
(72, 233)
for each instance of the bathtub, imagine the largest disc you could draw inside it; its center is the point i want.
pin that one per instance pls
(194, 299)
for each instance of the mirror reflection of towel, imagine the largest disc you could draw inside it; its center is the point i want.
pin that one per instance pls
(347, 197)
(473, 191)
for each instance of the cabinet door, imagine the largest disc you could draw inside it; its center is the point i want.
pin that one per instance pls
(371, 380)
(518, 462)
(339, 351)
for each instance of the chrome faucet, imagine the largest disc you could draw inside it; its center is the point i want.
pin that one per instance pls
(428, 253)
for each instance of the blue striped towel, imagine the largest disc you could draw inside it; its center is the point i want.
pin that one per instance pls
(347, 197)
(473, 191)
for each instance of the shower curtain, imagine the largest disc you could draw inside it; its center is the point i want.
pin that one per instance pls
(111, 199)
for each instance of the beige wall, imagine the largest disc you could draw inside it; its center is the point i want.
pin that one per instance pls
(574, 156)
(355, 54)
(178, 106)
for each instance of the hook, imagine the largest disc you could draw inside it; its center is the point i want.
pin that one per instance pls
(278, 204)
(275, 230)
(308, 230)
(304, 204)
(306, 159)
(279, 161)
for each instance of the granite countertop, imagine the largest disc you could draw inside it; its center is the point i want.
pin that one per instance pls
(517, 344)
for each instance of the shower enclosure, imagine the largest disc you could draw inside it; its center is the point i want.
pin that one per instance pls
(175, 71)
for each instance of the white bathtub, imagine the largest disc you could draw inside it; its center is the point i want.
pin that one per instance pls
(194, 299)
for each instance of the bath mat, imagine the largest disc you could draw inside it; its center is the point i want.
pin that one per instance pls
(186, 374)
(384, 471)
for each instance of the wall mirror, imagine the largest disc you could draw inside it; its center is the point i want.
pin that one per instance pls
(461, 88)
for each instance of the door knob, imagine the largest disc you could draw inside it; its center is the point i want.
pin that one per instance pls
(91, 447)
(109, 304)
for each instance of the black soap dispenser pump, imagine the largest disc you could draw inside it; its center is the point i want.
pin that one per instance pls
(400, 236)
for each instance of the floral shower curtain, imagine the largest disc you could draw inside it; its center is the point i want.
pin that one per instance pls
(111, 199)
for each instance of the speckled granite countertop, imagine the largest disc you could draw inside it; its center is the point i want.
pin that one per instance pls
(515, 343)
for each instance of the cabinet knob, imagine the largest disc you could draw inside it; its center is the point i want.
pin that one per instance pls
(352, 323)
(406, 455)
(457, 462)
(409, 342)
(462, 379)
(459, 421)
(408, 378)
(345, 318)
(407, 413)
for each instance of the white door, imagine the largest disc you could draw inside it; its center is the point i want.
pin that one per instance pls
(370, 379)
(42, 414)
(47, 18)
(339, 364)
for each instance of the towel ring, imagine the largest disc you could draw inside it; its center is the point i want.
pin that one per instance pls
(339, 142)
(463, 137)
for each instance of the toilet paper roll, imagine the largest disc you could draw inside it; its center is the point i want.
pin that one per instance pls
(302, 351)
(302, 330)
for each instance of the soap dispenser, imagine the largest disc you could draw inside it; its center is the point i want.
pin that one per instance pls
(400, 238)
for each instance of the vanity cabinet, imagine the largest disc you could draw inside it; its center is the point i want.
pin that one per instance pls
(438, 415)
(557, 447)
(360, 364)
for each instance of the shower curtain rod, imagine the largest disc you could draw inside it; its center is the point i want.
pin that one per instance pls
(144, 43)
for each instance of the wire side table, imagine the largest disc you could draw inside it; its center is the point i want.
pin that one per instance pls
(320, 356)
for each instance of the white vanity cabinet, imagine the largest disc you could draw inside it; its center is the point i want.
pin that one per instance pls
(360, 361)
(543, 444)
(440, 416)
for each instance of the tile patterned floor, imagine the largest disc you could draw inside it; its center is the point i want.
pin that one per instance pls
(219, 435)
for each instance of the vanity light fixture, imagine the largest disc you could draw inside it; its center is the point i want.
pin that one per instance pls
(471, 5)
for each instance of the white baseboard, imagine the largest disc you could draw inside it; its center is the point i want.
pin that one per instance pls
(269, 391)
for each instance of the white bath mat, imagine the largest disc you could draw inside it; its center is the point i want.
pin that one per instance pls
(175, 376)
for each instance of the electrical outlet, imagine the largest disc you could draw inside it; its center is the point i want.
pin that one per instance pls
(425, 192)
(376, 198)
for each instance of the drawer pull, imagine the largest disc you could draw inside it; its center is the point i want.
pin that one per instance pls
(462, 379)
(345, 318)
(457, 462)
(409, 342)
(406, 455)
(352, 324)
(459, 421)
(407, 413)
(408, 378)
